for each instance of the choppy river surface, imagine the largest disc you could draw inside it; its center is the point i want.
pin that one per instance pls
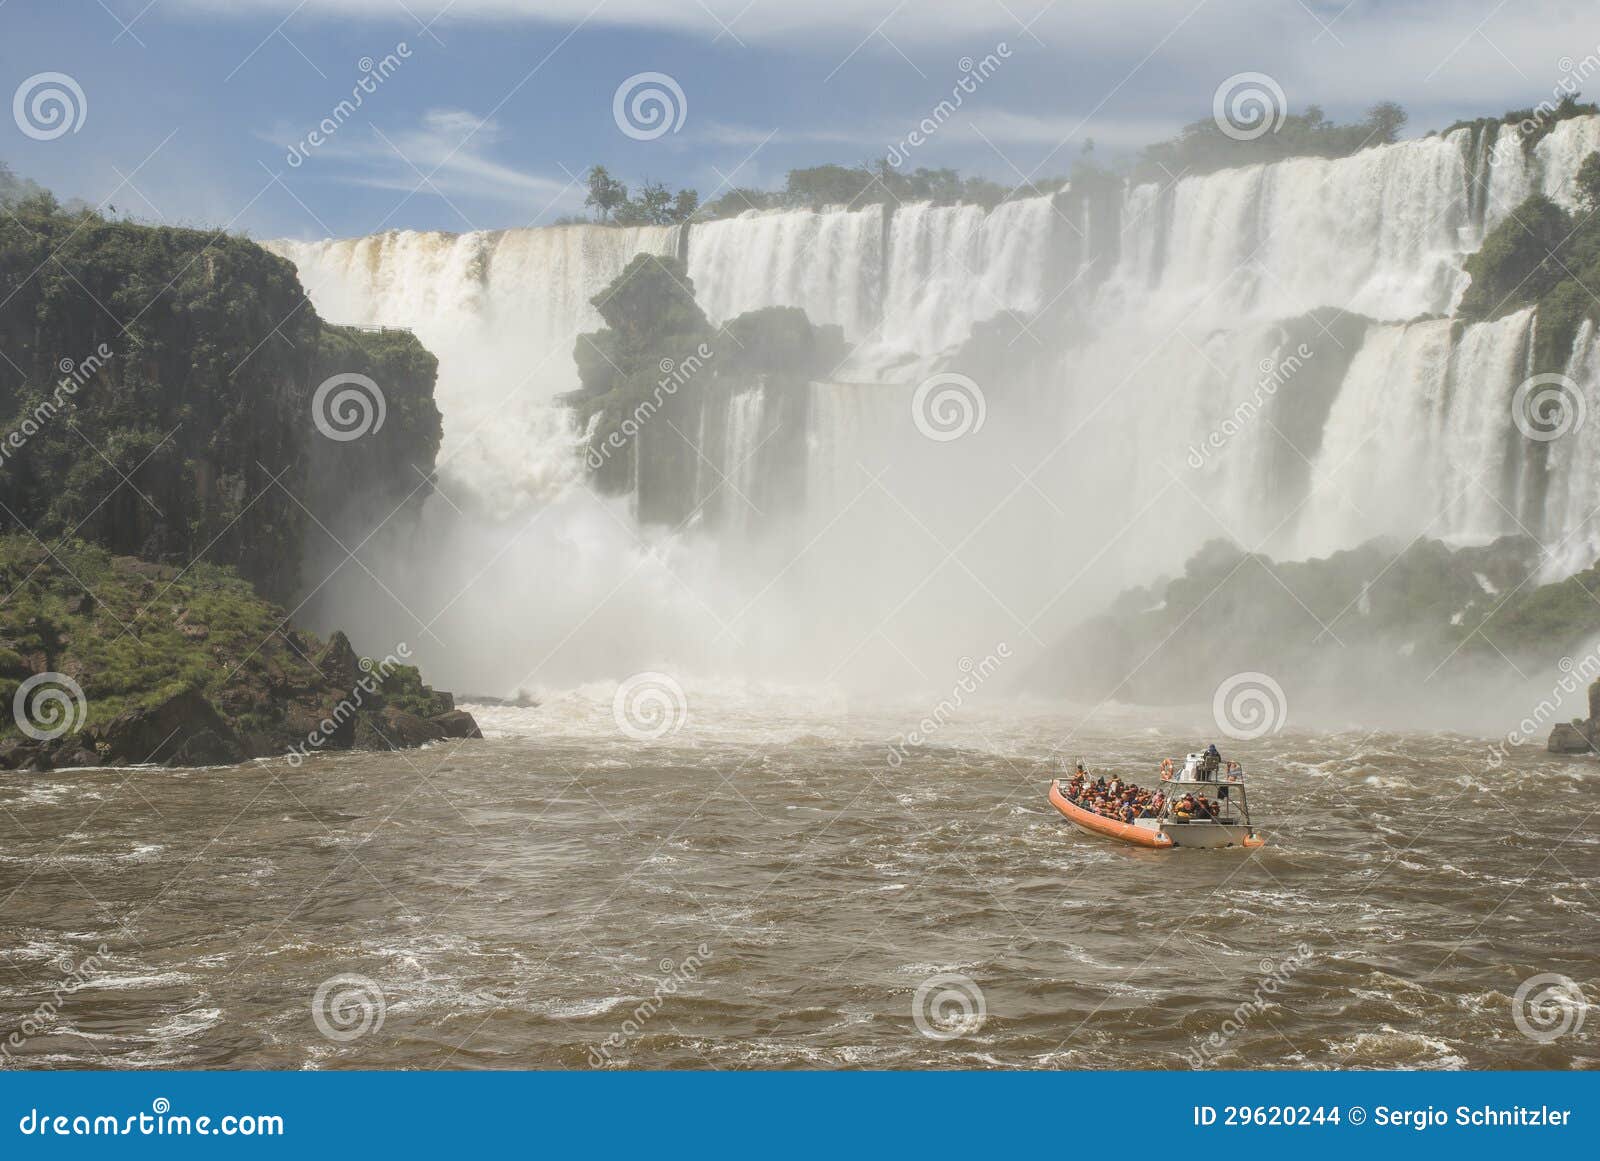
(763, 889)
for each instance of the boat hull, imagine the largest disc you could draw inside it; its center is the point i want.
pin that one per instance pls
(1168, 834)
(1091, 823)
(1210, 834)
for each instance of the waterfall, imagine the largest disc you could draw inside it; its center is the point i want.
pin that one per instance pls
(1381, 233)
(829, 263)
(1550, 170)
(501, 310)
(1263, 353)
(1424, 415)
(951, 267)
(1572, 499)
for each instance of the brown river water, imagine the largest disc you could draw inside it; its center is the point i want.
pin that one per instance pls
(763, 889)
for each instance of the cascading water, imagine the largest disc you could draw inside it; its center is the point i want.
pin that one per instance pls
(828, 263)
(501, 310)
(1265, 354)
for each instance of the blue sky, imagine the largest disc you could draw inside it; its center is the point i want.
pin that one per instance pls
(192, 105)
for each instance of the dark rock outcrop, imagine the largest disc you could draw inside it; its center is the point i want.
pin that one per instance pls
(202, 402)
(458, 724)
(1579, 736)
(1568, 738)
(141, 686)
(339, 663)
(183, 730)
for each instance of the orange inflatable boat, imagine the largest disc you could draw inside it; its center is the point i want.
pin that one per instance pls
(1087, 820)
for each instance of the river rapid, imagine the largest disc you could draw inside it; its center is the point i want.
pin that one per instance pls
(767, 888)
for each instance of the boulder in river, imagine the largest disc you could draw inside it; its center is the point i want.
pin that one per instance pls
(183, 730)
(457, 724)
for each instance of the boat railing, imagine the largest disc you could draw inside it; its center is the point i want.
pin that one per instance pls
(370, 328)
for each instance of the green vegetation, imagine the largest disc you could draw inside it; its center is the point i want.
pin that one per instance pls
(1541, 255)
(156, 396)
(1202, 146)
(134, 635)
(805, 189)
(1363, 616)
(14, 189)
(1533, 125)
(655, 205)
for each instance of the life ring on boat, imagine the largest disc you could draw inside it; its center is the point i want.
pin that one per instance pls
(1166, 769)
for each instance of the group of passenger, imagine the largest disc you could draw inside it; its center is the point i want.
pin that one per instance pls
(1125, 802)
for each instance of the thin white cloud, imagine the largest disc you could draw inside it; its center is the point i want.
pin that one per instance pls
(447, 153)
(1426, 53)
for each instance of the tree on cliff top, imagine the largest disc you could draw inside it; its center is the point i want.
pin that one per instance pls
(606, 193)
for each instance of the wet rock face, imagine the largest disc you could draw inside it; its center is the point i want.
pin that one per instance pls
(339, 663)
(201, 671)
(458, 724)
(184, 730)
(1569, 739)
